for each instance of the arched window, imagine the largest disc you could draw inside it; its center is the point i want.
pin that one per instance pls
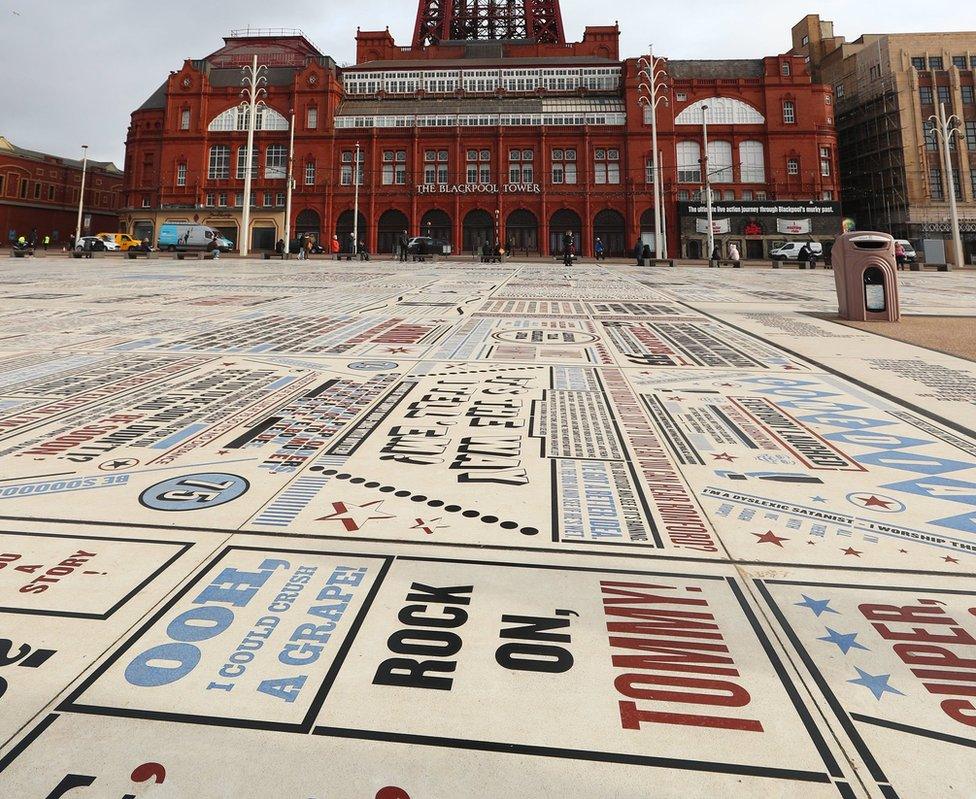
(789, 112)
(721, 111)
(236, 119)
(719, 161)
(276, 162)
(689, 162)
(752, 165)
(219, 162)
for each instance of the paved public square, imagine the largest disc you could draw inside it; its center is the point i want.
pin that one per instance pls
(460, 530)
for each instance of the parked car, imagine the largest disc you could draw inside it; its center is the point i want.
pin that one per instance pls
(124, 240)
(97, 244)
(790, 250)
(183, 236)
(429, 246)
(911, 256)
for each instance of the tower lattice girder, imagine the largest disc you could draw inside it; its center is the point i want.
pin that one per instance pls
(488, 20)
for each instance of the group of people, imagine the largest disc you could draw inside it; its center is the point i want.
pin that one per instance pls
(31, 240)
(734, 255)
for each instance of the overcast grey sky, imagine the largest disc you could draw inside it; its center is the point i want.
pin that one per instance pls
(73, 70)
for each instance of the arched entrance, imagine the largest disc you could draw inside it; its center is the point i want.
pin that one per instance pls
(522, 232)
(479, 227)
(344, 229)
(647, 231)
(391, 225)
(561, 221)
(610, 228)
(437, 225)
(308, 223)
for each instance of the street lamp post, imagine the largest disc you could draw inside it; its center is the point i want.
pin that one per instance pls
(291, 183)
(355, 213)
(253, 91)
(81, 195)
(649, 97)
(946, 128)
(708, 183)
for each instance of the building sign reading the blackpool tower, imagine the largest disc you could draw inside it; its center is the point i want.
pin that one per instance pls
(479, 188)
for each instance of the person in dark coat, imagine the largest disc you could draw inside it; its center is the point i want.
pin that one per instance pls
(568, 247)
(646, 253)
(804, 255)
(71, 242)
(280, 247)
(89, 246)
(639, 251)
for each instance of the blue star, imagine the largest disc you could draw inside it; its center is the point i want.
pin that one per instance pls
(845, 641)
(876, 684)
(818, 499)
(818, 606)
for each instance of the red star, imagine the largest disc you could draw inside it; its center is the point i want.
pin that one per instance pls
(850, 551)
(873, 502)
(355, 517)
(724, 457)
(950, 559)
(428, 525)
(769, 537)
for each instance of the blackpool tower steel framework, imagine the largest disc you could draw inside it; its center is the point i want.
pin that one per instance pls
(488, 20)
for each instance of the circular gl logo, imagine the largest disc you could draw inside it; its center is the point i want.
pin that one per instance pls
(194, 492)
(542, 336)
(374, 366)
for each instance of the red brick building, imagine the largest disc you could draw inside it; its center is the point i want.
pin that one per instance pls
(39, 192)
(498, 133)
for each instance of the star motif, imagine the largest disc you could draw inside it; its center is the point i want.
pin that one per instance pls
(851, 551)
(118, 463)
(769, 537)
(874, 502)
(355, 517)
(950, 559)
(876, 684)
(845, 641)
(396, 350)
(724, 457)
(903, 551)
(428, 525)
(817, 499)
(818, 606)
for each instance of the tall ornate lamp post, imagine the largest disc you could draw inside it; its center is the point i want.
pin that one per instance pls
(650, 96)
(355, 217)
(946, 128)
(708, 183)
(81, 195)
(291, 184)
(254, 80)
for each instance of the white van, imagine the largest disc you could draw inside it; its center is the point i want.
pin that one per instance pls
(790, 251)
(182, 236)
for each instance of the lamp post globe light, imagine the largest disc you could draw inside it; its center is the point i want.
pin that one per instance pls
(81, 195)
(946, 128)
(650, 96)
(254, 80)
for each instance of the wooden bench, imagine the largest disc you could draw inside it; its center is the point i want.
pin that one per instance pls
(717, 263)
(132, 255)
(657, 262)
(21, 253)
(279, 255)
(916, 267)
(84, 254)
(195, 256)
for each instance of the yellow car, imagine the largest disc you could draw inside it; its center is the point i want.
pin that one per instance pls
(124, 240)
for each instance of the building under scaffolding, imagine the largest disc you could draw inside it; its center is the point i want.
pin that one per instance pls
(886, 88)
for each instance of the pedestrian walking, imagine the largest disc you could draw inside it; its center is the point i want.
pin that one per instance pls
(334, 247)
(33, 238)
(568, 248)
(812, 256)
(89, 246)
(900, 255)
(47, 241)
(639, 252)
(301, 249)
(71, 242)
(734, 255)
(307, 247)
(716, 256)
(598, 249)
(803, 256)
(402, 244)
